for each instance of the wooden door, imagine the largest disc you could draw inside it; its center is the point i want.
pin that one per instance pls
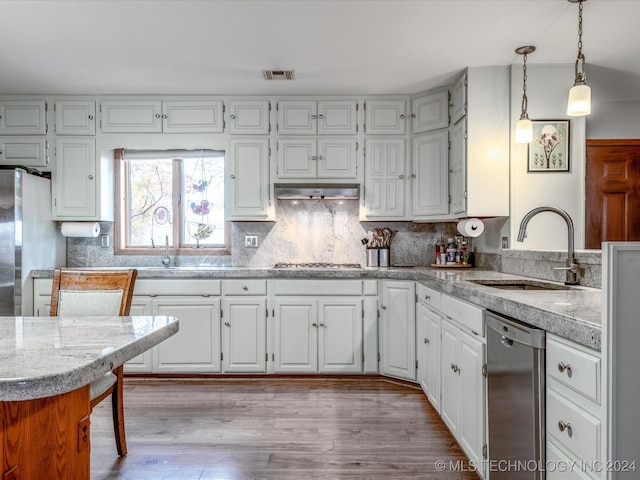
(612, 191)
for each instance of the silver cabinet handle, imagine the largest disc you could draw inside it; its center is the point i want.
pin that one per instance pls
(413, 175)
(158, 115)
(314, 325)
(427, 297)
(90, 117)
(426, 340)
(323, 325)
(164, 115)
(245, 288)
(320, 157)
(0, 152)
(402, 116)
(562, 426)
(314, 157)
(562, 367)
(413, 115)
(90, 177)
(401, 177)
(232, 176)
(314, 116)
(227, 324)
(320, 115)
(233, 117)
(384, 307)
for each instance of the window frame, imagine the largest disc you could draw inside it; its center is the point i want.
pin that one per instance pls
(120, 223)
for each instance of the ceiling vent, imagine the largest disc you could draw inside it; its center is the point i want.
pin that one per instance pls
(278, 75)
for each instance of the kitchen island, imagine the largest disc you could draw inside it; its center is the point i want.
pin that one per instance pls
(46, 366)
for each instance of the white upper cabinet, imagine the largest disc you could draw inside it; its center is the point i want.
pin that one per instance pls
(459, 100)
(23, 117)
(25, 151)
(193, 117)
(310, 158)
(249, 117)
(75, 187)
(325, 117)
(430, 112)
(457, 170)
(385, 183)
(385, 117)
(75, 117)
(430, 174)
(142, 116)
(155, 116)
(247, 186)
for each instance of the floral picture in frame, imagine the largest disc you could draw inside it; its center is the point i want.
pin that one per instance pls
(549, 149)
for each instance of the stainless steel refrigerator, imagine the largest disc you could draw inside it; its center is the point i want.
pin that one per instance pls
(29, 238)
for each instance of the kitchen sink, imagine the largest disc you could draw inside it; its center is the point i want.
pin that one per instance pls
(521, 284)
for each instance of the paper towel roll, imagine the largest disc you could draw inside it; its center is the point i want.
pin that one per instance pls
(471, 227)
(80, 229)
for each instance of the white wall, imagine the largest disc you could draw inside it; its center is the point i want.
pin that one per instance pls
(547, 91)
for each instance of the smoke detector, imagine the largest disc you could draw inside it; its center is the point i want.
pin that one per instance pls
(278, 75)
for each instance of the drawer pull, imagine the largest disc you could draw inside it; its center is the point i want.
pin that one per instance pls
(245, 288)
(565, 426)
(314, 325)
(323, 325)
(427, 297)
(426, 340)
(565, 366)
(227, 324)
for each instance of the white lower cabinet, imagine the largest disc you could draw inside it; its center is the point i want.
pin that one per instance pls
(428, 349)
(244, 335)
(318, 335)
(398, 329)
(463, 396)
(573, 407)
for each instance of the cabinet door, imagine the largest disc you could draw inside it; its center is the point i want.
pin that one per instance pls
(458, 174)
(430, 112)
(340, 335)
(434, 369)
(297, 158)
(22, 117)
(398, 335)
(249, 117)
(140, 305)
(471, 419)
(337, 117)
(296, 335)
(421, 347)
(297, 117)
(336, 158)
(196, 347)
(74, 187)
(135, 116)
(449, 398)
(192, 117)
(430, 194)
(244, 335)
(75, 117)
(385, 178)
(24, 151)
(459, 100)
(247, 186)
(385, 117)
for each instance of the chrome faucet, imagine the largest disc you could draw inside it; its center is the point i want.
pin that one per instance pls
(166, 261)
(572, 266)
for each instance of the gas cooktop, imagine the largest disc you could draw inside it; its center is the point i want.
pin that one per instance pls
(317, 265)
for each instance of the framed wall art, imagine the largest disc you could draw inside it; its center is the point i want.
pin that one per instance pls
(549, 149)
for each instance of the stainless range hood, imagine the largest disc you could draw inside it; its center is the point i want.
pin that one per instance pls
(316, 191)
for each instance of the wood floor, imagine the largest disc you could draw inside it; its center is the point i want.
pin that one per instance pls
(270, 428)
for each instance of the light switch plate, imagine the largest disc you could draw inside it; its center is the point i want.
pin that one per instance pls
(251, 241)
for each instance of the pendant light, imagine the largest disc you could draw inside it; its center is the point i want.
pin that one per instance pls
(580, 94)
(524, 127)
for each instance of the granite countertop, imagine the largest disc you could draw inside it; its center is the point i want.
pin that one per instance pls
(46, 356)
(575, 314)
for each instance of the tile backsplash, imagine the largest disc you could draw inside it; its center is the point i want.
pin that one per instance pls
(308, 231)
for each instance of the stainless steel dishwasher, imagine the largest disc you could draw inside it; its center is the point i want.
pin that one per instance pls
(515, 393)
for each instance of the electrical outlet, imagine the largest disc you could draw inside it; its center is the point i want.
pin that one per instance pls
(105, 240)
(251, 241)
(505, 242)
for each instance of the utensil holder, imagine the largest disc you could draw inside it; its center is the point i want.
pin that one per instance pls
(384, 257)
(372, 257)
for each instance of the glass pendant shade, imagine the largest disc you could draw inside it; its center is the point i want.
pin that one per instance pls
(524, 131)
(579, 100)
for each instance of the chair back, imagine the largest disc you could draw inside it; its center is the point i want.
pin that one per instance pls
(92, 292)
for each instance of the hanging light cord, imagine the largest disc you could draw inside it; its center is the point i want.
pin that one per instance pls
(524, 114)
(581, 67)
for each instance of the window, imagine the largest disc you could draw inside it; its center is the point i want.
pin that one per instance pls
(174, 196)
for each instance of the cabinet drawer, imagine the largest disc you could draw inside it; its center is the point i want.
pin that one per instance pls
(245, 287)
(564, 467)
(174, 287)
(429, 296)
(582, 432)
(464, 313)
(318, 287)
(575, 367)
